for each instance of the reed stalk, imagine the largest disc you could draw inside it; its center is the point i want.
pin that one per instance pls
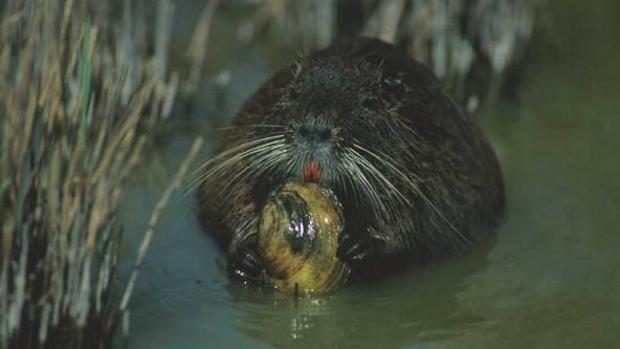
(80, 97)
(474, 47)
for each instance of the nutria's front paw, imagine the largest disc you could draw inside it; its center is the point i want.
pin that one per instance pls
(353, 249)
(246, 266)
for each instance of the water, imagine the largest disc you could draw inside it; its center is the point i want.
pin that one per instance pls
(549, 279)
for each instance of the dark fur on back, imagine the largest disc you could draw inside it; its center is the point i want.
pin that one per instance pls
(414, 173)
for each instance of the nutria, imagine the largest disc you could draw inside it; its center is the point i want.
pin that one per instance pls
(414, 173)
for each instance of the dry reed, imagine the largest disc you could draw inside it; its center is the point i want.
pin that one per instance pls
(80, 97)
(472, 46)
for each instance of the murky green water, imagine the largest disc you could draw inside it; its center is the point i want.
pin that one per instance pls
(549, 279)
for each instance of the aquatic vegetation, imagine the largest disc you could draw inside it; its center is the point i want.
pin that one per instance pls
(80, 97)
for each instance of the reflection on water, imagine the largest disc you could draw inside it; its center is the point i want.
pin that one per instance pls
(405, 308)
(550, 279)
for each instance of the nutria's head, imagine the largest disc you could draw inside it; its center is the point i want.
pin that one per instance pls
(330, 118)
(329, 107)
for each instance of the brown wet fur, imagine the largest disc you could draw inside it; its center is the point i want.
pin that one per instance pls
(372, 93)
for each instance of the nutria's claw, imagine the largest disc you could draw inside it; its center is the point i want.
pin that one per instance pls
(354, 250)
(245, 266)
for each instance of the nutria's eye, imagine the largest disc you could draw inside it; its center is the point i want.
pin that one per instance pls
(393, 87)
(295, 69)
(392, 81)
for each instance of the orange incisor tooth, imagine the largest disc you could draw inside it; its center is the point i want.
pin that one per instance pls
(312, 172)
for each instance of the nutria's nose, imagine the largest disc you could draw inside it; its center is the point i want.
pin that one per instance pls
(315, 133)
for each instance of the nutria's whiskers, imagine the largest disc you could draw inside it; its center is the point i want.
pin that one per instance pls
(378, 175)
(227, 159)
(265, 158)
(251, 161)
(402, 129)
(391, 164)
(362, 179)
(359, 180)
(243, 127)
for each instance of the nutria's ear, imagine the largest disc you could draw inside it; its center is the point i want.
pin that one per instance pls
(296, 68)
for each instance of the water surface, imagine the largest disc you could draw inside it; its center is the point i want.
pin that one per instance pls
(550, 278)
